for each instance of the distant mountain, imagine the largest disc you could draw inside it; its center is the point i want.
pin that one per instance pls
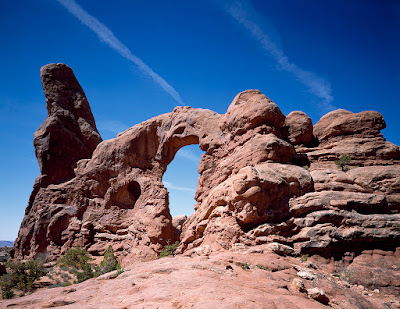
(6, 243)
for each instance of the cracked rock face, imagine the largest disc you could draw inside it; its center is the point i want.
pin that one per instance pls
(263, 178)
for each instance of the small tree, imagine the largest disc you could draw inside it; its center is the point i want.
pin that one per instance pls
(86, 273)
(342, 162)
(109, 263)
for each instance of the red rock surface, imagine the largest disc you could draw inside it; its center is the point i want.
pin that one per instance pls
(263, 178)
(254, 278)
(300, 128)
(69, 132)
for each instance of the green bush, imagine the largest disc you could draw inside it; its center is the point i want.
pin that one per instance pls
(120, 271)
(7, 294)
(304, 258)
(78, 259)
(342, 162)
(21, 276)
(169, 250)
(246, 266)
(7, 282)
(87, 273)
(75, 258)
(109, 263)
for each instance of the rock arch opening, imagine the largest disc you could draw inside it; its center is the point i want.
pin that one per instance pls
(181, 179)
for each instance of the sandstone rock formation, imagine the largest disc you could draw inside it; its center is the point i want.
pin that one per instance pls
(220, 281)
(69, 132)
(263, 178)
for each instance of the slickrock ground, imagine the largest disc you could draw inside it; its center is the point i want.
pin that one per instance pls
(216, 281)
(266, 179)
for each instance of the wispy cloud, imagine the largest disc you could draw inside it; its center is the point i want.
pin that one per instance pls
(187, 154)
(111, 126)
(171, 186)
(240, 11)
(107, 37)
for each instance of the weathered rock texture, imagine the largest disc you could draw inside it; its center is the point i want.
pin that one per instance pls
(69, 132)
(217, 281)
(263, 178)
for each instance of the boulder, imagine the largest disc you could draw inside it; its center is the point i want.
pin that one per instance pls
(318, 295)
(342, 122)
(178, 221)
(251, 109)
(298, 285)
(300, 128)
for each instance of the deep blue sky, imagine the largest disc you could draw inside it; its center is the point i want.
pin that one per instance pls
(313, 56)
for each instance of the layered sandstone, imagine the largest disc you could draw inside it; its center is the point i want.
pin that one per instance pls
(264, 178)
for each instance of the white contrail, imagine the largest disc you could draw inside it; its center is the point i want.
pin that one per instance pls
(187, 154)
(315, 84)
(171, 186)
(109, 38)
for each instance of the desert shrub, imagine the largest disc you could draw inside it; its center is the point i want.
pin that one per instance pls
(109, 263)
(24, 274)
(7, 294)
(169, 250)
(342, 162)
(246, 266)
(7, 282)
(120, 271)
(65, 276)
(85, 274)
(304, 258)
(75, 258)
(21, 276)
(347, 275)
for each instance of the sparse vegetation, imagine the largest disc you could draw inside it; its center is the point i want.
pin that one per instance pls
(6, 284)
(246, 266)
(169, 250)
(7, 294)
(342, 162)
(261, 267)
(21, 276)
(109, 263)
(120, 271)
(347, 275)
(85, 274)
(76, 260)
(304, 258)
